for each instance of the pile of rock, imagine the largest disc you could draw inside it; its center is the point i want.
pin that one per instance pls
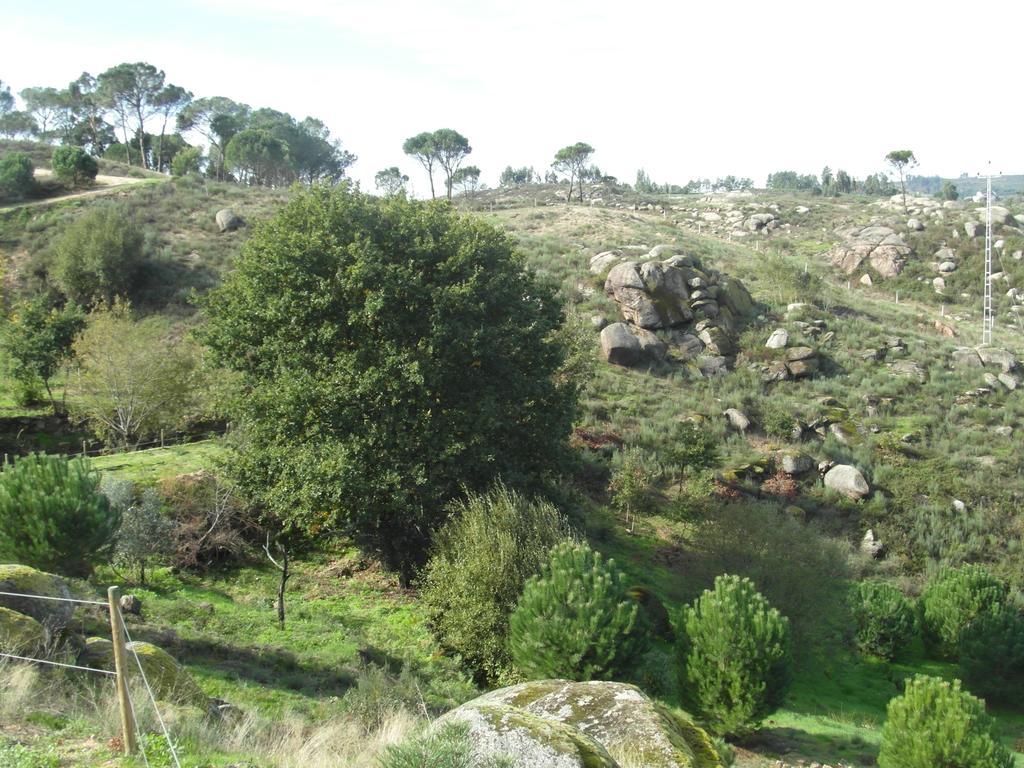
(796, 362)
(884, 249)
(988, 357)
(672, 308)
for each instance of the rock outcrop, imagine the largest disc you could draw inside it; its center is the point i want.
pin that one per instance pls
(694, 309)
(53, 615)
(561, 724)
(882, 248)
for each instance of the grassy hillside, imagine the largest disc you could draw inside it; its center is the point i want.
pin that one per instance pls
(920, 440)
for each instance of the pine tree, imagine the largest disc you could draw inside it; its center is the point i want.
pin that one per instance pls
(575, 620)
(935, 723)
(53, 516)
(734, 653)
(952, 600)
(884, 616)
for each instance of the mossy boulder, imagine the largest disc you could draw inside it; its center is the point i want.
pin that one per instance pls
(168, 680)
(53, 615)
(619, 718)
(20, 634)
(528, 740)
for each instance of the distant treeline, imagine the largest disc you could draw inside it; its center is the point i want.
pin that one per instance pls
(967, 185)
(130, 113)
(832, 184)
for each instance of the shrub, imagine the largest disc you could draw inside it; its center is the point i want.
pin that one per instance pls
(38, 341)
(734, 655)
(632, 483)
(576, 620)
(73, 165)
(211, 523)
(17, 175)
(992, 655)
(53, 516)
(936, 723)
(884, 618)
(952, 600)
(378, 696)
(98, 256)
(187, 161)
(145, 532)
(481, 559)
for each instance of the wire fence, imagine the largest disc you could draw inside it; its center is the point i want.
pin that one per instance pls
(131, 733)
(163, 441)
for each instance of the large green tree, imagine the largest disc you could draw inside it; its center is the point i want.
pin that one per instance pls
(572, 160)
(45, 106)
(217, 119)
(393, 355)
(451, 148)
(133, 93)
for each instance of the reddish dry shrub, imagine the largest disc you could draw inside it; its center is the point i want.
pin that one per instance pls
(212, 525)
(727, 492)
(781, 486)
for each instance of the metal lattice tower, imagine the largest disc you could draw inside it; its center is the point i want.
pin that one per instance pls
(988, 318)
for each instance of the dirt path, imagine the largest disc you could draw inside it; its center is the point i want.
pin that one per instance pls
(104, 185)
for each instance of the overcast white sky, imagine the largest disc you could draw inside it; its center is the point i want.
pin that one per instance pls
(683, 90)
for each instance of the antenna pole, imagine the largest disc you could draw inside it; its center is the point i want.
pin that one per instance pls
(988, 319)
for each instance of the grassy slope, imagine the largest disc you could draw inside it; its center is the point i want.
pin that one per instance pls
(838, 701)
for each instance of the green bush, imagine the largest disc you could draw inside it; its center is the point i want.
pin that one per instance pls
(53, 516)
(98, 256)
(74, 166)
(187, 161)
(952, 600)
(992, 655)
(17, 176)
(884, 617)
(935, 723)
(576, 619)
(481, 559)
(734, 656)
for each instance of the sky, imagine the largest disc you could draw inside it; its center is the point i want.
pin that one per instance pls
(683, 90)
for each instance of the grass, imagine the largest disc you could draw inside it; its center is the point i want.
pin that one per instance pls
(146, 467)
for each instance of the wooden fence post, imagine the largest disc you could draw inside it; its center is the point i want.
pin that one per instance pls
(121, 667)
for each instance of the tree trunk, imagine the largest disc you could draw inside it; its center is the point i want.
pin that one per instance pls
(142, 136)
(281, 586)
(430, 173)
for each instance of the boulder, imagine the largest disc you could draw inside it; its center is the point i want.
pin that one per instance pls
(974, 228)
(20, 634)
(1009, 381)
(228, 220)
(619, 346)
(522, 739)
(594, 724)
(735, 296)
(714, 365)
(797, 463)
(759, 221)
(53, 615)
(687, 345)
(169, 681)
(130, 604)
(847, 480)
(737, 419)
(717, 341)
(946, 267)
(866, 280)
(909, 369)
(778, 340)
(625, 285)
(602, 262)
(871, 546)
(1000, 215)
(881, 247)
(938, 284)
(915, 225)
(995, 356)
(651, 347)
(965, 357)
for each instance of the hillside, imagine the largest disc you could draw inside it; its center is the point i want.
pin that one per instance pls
(896, 391)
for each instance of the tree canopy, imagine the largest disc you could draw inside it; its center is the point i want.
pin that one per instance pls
(572, 160)
(419, 359)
